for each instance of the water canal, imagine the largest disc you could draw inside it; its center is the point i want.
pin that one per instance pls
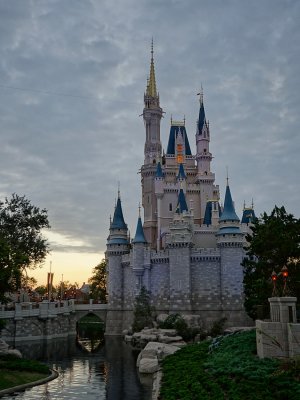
(88, 370)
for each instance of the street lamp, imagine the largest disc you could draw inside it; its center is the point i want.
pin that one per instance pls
(285, 274)
(274, 279)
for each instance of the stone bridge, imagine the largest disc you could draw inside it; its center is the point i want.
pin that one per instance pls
(45, 320)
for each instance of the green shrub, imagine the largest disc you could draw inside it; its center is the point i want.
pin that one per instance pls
(143, 311)
(175, 321)
(231, 371)
(21, 364)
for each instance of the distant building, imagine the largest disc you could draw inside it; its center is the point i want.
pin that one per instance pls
(189, 250)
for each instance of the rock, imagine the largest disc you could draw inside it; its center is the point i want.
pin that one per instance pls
(4, 349)
(161, 318)
(168, 332)
(15, 352)
(128, 338)
(154, 352)
(169, 339)
(148, 365)
(3, 346)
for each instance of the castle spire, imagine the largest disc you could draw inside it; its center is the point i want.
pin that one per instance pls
(201, 120)
(228, 211)
(151, 84)
(139, 234)
(181, 205)
(118, 219)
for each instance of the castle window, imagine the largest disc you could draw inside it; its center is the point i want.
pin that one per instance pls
(204, 150)
(148, 199)
(154, 161)
(170, 207)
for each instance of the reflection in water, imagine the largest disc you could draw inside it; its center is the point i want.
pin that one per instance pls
(106, 373)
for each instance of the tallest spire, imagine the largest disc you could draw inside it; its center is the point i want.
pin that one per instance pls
(151, 85)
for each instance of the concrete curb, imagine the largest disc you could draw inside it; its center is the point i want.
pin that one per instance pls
(54, 375)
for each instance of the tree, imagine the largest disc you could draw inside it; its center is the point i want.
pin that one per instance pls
(273, 244)
(143, 311)
(98, 281)
(22, 245)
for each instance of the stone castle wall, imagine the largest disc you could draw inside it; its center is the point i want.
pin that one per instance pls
(208, 283)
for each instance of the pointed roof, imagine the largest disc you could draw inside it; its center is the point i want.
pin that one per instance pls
(181, 205)
(118, 219)
(201, 120)
(139, 234)
(159, 173)
(228, 211)
(174, 130)
(181, 173)
(248, 216)
(151, 84)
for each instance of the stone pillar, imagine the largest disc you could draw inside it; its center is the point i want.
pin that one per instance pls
(283, 309)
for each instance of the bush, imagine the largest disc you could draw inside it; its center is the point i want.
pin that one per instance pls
(231, 371)
(143, 311)
(175, 321)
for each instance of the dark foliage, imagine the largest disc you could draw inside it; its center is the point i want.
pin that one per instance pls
(232, 371)
(274, 243)
(22, 244)
(143, 311)
(98, 282)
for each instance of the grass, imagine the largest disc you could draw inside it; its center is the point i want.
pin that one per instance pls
(228, 370)
(17, 371)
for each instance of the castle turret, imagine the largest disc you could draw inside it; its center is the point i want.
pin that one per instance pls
(179, 243)
(204, 157)
(152, 115)
(140, 264)
(159, 192)
(230, 242)
(117, 246)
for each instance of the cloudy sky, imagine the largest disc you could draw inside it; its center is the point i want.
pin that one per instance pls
(72, 78)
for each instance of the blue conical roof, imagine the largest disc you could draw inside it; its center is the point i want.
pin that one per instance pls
(201, 120)
(181, 205)
(118, 220)
(181, 173)
(248, 216)
(174, 130)
(159, 173)
(228, 211)
(139, 234)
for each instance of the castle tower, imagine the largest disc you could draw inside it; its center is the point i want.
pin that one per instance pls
(179, 242)
(117, 246)
(139, 266)
(204, 157)
(152, 115)
(230, 242)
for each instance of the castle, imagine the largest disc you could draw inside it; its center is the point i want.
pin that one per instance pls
(189, 250)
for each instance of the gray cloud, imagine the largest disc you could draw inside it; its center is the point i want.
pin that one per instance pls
(73, 75)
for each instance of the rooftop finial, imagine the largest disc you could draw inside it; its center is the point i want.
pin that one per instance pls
(139, 210)
(252, 204)
(152, 49)
(200, 94)
(244, 206)
(184, 120)
(227, 179)
(151, 85)
(119, 190)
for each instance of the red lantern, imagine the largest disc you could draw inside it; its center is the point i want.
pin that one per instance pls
(285, 272)
(274, 276)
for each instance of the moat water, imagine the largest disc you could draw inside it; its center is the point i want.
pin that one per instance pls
(88, 370)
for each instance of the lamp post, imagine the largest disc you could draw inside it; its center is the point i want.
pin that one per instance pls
(274, 279)
(285, 274)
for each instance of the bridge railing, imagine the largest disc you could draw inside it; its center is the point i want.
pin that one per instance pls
(44, 309)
